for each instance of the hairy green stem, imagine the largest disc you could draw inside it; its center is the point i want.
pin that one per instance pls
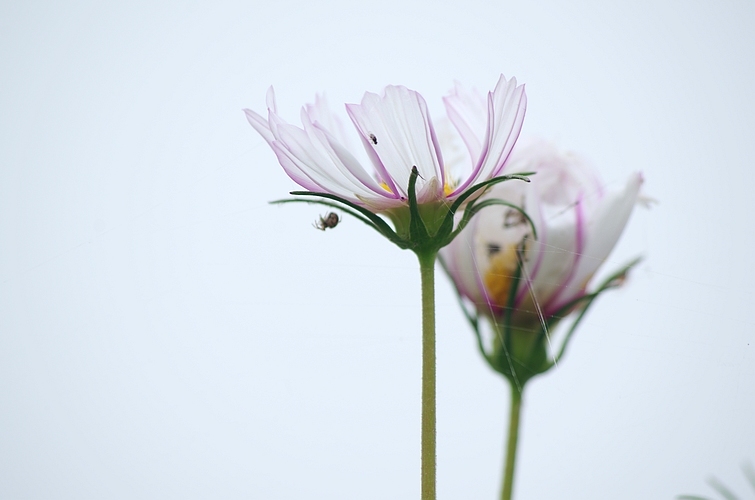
(427, 272)
(516, 410)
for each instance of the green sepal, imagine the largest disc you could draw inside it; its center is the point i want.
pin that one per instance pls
(418, 238)
(417, 229)
(523, 358)
(354, 214)
(490, 182)
(525, 355)
(521, 353)
(446, 228)
(379, 224)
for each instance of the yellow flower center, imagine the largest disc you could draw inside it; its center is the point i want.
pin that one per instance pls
(447, 189)
(498, 277)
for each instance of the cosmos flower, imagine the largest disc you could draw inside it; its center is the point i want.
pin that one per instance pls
(403, 179)
(397, 134)
(499, 265)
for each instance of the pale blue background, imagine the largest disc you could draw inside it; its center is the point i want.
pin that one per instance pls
(165, 333)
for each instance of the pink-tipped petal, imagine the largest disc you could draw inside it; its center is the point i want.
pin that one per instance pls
(314, 158)
(260, 125)
(335, 155)
(321, 115)
(602, 232)
(507, 105)
(298, 173)
(397, 135)
(467, 111)
(270, 100)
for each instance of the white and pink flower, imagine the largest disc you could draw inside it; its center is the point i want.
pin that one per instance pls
(397, 134)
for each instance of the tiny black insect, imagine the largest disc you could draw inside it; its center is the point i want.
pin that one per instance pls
(329, 221)
(373, 139)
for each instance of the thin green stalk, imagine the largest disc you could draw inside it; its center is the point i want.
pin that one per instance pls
(427, 272)
(516, 410)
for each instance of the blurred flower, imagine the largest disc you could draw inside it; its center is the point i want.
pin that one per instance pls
(397, 134)
(525, 283)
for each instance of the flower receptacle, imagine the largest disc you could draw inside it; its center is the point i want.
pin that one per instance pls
(519, 354)
(431, 214)
(424, 228)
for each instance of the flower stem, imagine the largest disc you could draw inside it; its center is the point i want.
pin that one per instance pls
(427, 272)
(516, 409)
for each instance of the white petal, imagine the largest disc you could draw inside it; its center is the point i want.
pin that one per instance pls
(308, 149)
(324, 118)
(315, 160)
(294, 169)
(602, 232)
(398, 135)
(467, 111)
(333, 153)
(562, 240)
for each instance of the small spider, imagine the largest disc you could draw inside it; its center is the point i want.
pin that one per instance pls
(329, 221)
